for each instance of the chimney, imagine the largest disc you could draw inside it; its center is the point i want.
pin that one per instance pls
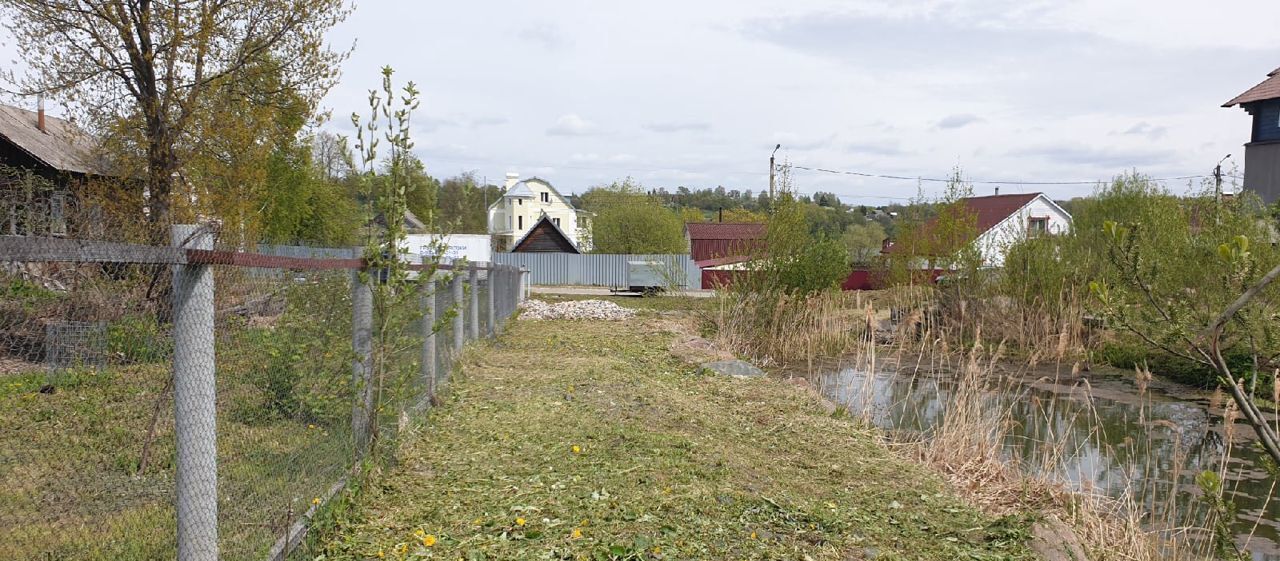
(40, 115)
(512, 179)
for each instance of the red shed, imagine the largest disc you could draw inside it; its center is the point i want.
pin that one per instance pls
(713, 240)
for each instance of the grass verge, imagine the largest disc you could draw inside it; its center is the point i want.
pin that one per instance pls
(589, 440)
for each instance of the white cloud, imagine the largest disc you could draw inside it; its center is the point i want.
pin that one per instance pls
(958, 121)
(572, 125)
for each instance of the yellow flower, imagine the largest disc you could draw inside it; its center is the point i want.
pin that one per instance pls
(477, 521)
(311, 426)
(583, 523)
(401, 548)
(577, 533)
(753, 535)
(315, 501)
(381, 554)
(576, 449)
(657, 550)
(420, 533)
(429, 541)
(519, 522)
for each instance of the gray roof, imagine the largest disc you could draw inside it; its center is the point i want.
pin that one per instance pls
(520, 190)
(61, 146)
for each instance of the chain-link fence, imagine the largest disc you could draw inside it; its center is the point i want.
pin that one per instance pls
(200, 404)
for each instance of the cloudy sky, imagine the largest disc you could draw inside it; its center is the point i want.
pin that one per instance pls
(697, 92)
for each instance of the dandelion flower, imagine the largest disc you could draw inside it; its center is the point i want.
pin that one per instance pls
(420, 533)
(477, 521)
(753, 535)
(312, 427)
(519, 522)
(401, 548)
(381, 554)
(657, 550)
(315, 501)
(576, 449)
(577, 533)
(429, 540)
(583, 523)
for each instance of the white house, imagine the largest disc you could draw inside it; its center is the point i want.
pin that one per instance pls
(1006, 219)
(1003, 220)
(521, 205)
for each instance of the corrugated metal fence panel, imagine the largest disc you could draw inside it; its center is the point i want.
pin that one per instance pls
(596, 269)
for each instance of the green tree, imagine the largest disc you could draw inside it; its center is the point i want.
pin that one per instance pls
(146, 71)
(863, 241)
(629, 220)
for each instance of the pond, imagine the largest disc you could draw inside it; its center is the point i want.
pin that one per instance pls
(1098, 432)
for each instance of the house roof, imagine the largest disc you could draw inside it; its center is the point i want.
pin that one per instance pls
(725, 230)
(1267, 89)
(993, 209)
(988, 212)
(520, 190)
(722, 261)
(61, 146)
(539, 225)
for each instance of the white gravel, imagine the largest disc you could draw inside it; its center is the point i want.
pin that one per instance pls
(575, 309)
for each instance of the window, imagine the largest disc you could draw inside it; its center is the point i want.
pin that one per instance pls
(520, 202)
(58, 214)
(520, 222)
(546, 197)
(1037, 225)
(556, 221)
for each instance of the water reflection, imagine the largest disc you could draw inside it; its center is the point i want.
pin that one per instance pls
(1098, 435)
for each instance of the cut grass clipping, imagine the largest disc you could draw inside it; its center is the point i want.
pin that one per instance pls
(588, 440)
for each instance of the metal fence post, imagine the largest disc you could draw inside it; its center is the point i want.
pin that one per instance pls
(362, 365)
(428, 356)
(491, 326)
(474, 301)
(459, 320)
(194, 401)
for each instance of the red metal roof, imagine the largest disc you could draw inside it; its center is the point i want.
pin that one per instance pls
(993, 209)
(987, 211)
(725, 230)
(1268, 89)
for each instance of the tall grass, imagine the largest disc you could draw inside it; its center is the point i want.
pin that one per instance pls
(970, 446)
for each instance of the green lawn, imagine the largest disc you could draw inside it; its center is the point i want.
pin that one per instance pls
(589, 440)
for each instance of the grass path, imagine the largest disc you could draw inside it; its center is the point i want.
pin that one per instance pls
(589, 440)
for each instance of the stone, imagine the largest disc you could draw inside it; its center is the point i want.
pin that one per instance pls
(735, 368)
(1053, 540)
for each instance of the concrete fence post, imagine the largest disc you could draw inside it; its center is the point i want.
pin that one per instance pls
(428, 354)
(194, 401)
(474, 301)
(524, 284)
(459, 320)
(491, 326)
(362, 365)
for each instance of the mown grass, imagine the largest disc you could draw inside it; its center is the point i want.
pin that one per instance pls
(70, 480)
(589, 440)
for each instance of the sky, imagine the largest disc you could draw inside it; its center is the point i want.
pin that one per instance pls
(698, 93)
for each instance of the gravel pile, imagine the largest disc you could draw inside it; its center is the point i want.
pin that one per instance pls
(575, 309)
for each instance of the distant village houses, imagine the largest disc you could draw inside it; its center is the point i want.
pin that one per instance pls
(518, 216)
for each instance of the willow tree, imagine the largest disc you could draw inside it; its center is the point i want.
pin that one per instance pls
(144, 70)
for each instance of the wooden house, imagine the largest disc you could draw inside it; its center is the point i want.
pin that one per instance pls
(1262, 153)
(545, 237)
(44, 163)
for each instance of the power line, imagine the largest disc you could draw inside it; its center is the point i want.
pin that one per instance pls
(975, 182)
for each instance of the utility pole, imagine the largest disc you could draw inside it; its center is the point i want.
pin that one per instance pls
(772, 169)
(1217, 180)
